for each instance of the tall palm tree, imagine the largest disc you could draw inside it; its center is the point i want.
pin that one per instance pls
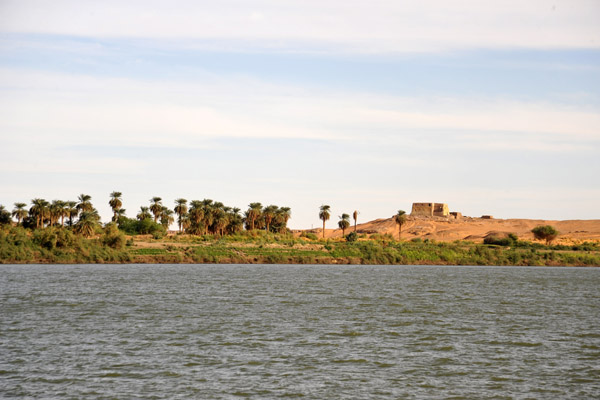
(196, 216)
(253, 213)
(236, 223)
(143, 214)
(221, 219)
(210, 214)
(166, 217)
(85, 203)
(355, 216)
(115, 203)
(181, 211)
(39, 210)
(400, 219)
(71, 211)
(324, 214)
(269, 213)
(156, 207)
(344, 223)
(20, 212)
(284, 213)
(56, 210)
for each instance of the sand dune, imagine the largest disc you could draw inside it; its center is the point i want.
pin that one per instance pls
(475, 229)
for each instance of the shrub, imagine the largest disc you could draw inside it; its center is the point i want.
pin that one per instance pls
(45, 238)
(309, 235)
(113, 237)
(351, 237)
(510, 240)
(65, 238)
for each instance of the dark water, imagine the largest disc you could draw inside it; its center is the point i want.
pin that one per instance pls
(319, 332)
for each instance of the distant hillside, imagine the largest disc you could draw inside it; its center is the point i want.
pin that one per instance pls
(475, 229)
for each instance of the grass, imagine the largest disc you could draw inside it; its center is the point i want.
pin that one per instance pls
(60, 245)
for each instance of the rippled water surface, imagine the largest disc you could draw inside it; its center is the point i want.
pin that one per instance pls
(273, 331)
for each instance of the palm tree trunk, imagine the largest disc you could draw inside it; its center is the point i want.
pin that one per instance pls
(323, 229)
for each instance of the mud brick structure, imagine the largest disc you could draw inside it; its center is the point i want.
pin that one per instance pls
(430, 209)
(456, 215)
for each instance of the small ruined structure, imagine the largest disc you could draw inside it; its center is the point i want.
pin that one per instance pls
(487, 217)
(430, 209)
(456, 214)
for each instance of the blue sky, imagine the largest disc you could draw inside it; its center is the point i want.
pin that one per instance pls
(371, 106)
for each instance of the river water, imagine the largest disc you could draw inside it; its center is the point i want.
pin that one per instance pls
(280, 331)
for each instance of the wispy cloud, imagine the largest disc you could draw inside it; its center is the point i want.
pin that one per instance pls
(351, 26)
(94, 110)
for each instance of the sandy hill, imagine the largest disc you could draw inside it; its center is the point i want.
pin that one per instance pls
(475, 229)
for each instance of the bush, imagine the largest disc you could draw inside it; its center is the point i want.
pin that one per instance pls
(5, 217)
(351, 237)
(145, 227)
(309, 235)
(113, 237)
(510, 240)
(45, 238)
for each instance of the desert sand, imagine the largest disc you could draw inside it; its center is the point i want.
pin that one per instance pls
(474, 229)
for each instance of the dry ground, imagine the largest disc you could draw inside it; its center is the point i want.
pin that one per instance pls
(475, 229)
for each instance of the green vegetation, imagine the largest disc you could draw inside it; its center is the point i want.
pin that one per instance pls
(324, 214)
(344, 223)
(210, 232)
(62, 245)
(545, 232)
(400, 219)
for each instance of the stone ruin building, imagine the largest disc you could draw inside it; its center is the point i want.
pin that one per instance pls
(430, 209)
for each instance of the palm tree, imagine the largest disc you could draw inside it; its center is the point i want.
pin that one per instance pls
(400, 219)
(284, 213)
(355, 216)
(115, 203)
(344, 223)
(119, 214)
(236, 223)
(269, 213)
(181, 211)
(56, 211)
(143, 214)
(39, 210)
(156, 207)
(87, 223)
(71, 211)
(166, 217)
(85, 204)
(253, 213)
(196, 216)
(20, 212)
(209, 209)
(324, 214)
(220, 220)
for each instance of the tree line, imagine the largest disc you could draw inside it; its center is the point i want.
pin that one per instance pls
(197, 217)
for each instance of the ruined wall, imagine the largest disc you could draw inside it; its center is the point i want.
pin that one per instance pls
(430, 209)
(440, 210)
(456, 215)
(422, 209)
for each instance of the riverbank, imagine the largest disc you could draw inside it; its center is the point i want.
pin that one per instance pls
(62, 247)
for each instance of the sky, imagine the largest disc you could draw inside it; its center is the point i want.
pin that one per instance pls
(491, 107)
